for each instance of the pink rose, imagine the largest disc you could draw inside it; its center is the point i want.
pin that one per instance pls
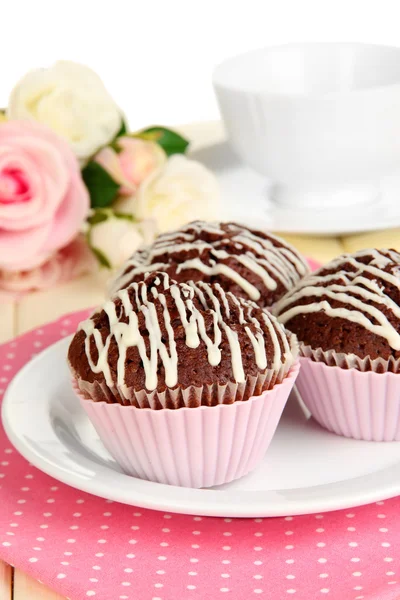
(133, 163)
(66, 264)
(43, 199)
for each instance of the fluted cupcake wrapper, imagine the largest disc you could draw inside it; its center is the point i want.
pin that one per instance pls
(363, 405)
(191, 447)
(351, 361)
(191, 397)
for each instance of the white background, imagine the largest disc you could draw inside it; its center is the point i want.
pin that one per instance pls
(157, 56)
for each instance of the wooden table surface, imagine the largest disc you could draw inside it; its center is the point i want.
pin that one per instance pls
(36, 309)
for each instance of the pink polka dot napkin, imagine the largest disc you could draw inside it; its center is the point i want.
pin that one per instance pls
(87, 547)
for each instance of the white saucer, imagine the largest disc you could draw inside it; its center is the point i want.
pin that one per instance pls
(306, 469)
(245, 196)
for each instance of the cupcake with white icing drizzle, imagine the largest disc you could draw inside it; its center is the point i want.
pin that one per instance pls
(347, 319)
(157, 343)
(251, 264)
(165, 364)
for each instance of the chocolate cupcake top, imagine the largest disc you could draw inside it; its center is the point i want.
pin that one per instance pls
(251, 264)
(160, 334)
(351, 306)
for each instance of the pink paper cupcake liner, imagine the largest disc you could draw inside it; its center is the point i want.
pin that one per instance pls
(351, 361)
(190, 397)
(191, 447)
(363, 405)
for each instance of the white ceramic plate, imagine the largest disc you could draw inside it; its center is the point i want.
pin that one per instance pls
(245, 196)
(306, 469)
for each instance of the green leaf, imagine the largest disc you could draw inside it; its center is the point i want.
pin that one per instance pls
(101, 186)
(123, 129)
(169, 140)
(115, 146)
(98, 217)
(101, 257)
(126, 216)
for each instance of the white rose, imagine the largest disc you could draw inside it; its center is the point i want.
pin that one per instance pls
(181, 191)
(72, 100)
(117, 238)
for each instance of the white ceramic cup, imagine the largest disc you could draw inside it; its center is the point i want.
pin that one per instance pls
(320, 120)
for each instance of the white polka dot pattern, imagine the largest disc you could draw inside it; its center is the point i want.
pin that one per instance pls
(88, 547)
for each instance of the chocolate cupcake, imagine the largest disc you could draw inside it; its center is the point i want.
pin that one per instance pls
(164, 365)
(160, 344)
(251, 264)
(347, 318)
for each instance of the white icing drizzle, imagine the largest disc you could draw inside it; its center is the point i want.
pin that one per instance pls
(267, 258)
(101, 366)
(277, 354)
(190, 325)
(259, 346)
(271, 258)
(240, 309)
(150, 341)
(351, 288)
(224, 299)
(236, 352)
(221, 269)
(250, 261)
